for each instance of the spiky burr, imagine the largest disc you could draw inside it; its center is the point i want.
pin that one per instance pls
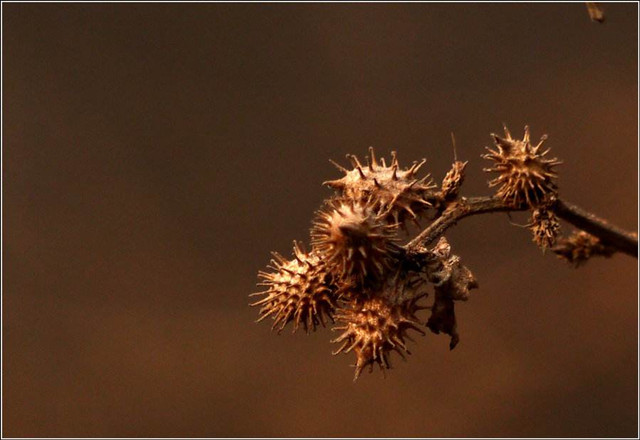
(374, 327)
(524, 174)
(354, 241)
(395, 192)
(298, 290)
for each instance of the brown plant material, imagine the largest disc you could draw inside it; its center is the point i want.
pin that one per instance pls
(357, 273)
(443, 318)
(545, 227)
(525, 176)
(452, 282)
(374, 327)
(453, 180)
(580, 247)
(448, 274)
(298, 290)
(596, 13)
(353, 240)
(613, 236)
(395, 192)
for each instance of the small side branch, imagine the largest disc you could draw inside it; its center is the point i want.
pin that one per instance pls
(455, 211)
(611, 235)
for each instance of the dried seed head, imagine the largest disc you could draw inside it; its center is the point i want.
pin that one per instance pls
(447, 273)
(454, 288)
(354, 241)
(374, 327)
(397, 193)
(579, 247)
(545, 227)
(298, 290)
(453, 180)
(452, 282)
(525, 175)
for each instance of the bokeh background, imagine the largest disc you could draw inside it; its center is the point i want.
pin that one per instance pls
(155, 154)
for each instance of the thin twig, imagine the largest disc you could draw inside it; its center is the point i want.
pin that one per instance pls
(609, 234)
(459, 209)
(621, 240)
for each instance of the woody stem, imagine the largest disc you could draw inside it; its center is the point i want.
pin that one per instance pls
(609, 234)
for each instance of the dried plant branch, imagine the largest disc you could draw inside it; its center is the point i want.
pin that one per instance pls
(456, 211)
(609, 234)
(616, 238)
(357, 275)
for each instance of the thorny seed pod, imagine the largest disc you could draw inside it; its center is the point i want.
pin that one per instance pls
(374, 327)
(298, 290)
(579, 247)
(545, 227)
(354, 241)
(525, 175)
(395, 192)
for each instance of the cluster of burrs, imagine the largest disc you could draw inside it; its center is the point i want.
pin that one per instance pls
(358, 277)
(526, 178)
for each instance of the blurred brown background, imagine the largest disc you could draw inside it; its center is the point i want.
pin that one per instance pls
(155, 154)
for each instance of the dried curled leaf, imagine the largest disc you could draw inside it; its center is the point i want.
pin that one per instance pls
(452, 282)
(443, 317)
(447, 273)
